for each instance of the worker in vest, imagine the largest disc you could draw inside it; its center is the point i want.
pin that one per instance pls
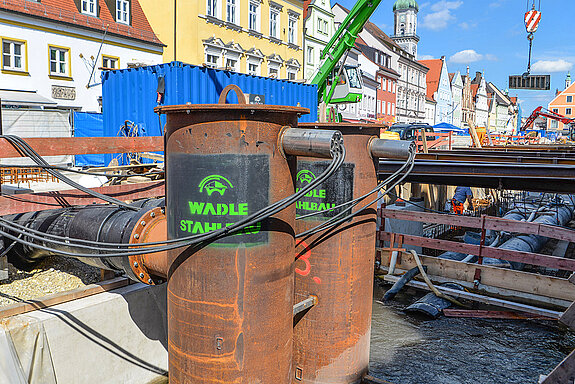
(461, 195)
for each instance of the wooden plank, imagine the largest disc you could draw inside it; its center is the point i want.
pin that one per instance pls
(555, 232)
(531, 283)
(474, 135)
(481, 314)
(493, 223)
(62, 297)
(427, 217)
(52, 146)
(502, 293)
(496, 253)
(553, 262)
(568, 317)
(481, 299)
(572, 278)
(42, 201)
(560, 233)
(564, 373)
(445, 245)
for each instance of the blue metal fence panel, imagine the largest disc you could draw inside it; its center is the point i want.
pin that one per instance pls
(131, 94)
(88, 124)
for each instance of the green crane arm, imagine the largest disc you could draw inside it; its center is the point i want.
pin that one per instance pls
(341, 42)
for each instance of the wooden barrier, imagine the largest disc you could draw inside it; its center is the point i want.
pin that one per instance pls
(42, 201)
(529, 286)
(10, 204)
(54, 146)
(434, 140)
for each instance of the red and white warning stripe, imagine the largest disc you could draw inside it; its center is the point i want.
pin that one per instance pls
(532, 19)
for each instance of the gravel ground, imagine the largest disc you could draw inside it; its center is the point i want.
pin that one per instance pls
(52, 275)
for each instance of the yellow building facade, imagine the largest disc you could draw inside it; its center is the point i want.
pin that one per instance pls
(258, 37)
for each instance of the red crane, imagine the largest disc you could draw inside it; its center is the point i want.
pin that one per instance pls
(540, 111)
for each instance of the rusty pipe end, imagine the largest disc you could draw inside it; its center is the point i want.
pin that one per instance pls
(151, 268)
(391, 149)
(311, 142)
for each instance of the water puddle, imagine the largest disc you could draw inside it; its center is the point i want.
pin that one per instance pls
(408, 350)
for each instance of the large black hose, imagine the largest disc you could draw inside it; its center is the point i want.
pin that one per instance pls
(100, 223)
(399, 284)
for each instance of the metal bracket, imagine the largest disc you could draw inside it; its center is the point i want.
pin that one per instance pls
(305, 304)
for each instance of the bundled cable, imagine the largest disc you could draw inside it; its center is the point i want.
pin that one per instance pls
(342, 217)
(10, 230)
(24, 149)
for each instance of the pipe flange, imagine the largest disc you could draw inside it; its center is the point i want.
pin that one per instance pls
(140, 234)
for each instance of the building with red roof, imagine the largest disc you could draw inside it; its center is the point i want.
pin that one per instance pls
(563, 103)
(53, 51)
(439, 91)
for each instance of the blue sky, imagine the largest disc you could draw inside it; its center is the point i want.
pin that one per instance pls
(490, 36)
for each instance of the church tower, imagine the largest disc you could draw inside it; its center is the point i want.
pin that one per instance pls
(405, 33)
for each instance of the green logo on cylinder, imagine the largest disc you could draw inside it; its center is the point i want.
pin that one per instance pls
(215, 183)
(305, 176)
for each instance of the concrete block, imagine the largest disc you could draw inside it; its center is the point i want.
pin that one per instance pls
(113, 337)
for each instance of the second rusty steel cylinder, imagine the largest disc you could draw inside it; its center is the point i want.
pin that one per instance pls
(331, 340)
(230, 301)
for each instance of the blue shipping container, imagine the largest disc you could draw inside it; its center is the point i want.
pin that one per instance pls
(131, 94)
(87, 124)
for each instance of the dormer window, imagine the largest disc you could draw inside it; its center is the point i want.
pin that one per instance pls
(89, 7)
(123, 11)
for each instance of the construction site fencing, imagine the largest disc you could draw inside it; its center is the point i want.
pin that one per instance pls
(434, 140)
(520, 286)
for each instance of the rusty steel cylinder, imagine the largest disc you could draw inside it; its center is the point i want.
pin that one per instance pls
(230, 301)
(332, 339)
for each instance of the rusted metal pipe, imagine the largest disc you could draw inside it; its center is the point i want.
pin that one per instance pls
(331, 340)
(230, 302)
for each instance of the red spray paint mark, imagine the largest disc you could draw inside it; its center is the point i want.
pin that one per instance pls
(305, 258)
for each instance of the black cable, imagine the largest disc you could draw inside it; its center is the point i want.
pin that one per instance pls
(335, 222)
(67, 169)
(15, 227)
(410, 160)
(26, 150)
(182, 242)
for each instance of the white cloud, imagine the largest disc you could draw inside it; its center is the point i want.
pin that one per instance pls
(466, 25)
(466, 56)
(549, 66)
(441, 16)
(425, 57)
(443, 5)
(470, 56)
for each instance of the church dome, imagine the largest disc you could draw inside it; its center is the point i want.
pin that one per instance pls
(405, 4)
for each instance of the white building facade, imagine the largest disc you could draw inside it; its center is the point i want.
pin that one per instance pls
(481, 105)
(411, 90)
(430, 111)
(53, 57)
(457, 98)
(318, 30)
(502, 111)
